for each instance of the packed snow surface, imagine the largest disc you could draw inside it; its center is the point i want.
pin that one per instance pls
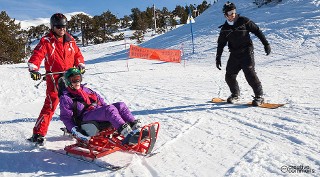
(196, 138)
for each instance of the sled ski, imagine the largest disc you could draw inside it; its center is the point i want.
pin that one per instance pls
(109, 141)
(100, 164)
(264, 105)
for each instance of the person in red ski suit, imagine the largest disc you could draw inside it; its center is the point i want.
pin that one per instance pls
(60, 52)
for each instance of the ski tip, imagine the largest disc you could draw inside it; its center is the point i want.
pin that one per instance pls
(268, 105)
(217, 100)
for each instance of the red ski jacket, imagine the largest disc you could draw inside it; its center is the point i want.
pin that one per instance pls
(59, 54)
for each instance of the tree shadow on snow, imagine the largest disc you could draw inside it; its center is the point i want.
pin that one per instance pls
(187, 108)
(121, 55)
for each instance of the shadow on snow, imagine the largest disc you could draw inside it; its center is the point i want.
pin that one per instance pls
(40, 162)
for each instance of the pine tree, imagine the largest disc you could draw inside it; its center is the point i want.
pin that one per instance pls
(81, 22)
(138, 35)
(37, 32)
(125, 21)
(202, 7)
(182, 13)
(12, 41)
(108, 22)
(139, 20)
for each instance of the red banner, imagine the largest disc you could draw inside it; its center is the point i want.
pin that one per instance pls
(168, 55)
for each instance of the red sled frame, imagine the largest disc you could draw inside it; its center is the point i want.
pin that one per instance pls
(109, 141)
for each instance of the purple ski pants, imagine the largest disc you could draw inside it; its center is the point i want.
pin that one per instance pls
(117, 114)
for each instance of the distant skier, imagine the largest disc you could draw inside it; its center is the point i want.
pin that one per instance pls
(79, 104)
(235, 32)
(60, 52)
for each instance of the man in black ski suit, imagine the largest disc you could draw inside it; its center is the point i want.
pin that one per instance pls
(235, 32)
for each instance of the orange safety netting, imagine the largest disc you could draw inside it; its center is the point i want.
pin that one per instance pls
(168, 55)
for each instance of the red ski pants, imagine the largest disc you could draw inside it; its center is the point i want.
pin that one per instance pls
(50, 104)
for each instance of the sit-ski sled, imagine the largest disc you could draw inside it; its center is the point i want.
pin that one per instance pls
(109, 140)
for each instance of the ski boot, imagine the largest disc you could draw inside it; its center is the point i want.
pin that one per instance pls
(136, 124)
(257, 101)
(233, 99)
(38, 139)
(131, 136)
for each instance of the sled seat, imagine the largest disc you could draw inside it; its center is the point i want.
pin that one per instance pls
(92, 128)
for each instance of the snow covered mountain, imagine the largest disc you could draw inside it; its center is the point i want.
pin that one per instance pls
(196, 138)
(25, 24)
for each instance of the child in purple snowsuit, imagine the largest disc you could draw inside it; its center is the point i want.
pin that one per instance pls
(90, 106)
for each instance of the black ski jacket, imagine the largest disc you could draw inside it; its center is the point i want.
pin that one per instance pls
(237, 36)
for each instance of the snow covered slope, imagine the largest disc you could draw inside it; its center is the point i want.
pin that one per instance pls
(196, 138)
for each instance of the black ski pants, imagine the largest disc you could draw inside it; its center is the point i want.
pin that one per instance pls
(242, 60)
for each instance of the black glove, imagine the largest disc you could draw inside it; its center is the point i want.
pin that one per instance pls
(82, 68)
(35, 75)
(218, 62)
(267, 49)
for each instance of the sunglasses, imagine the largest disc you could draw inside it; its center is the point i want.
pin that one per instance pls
(75, 79)
(59, 27)
(231, 12)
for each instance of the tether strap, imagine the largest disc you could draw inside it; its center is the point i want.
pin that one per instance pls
(75, 113)
(77, 118)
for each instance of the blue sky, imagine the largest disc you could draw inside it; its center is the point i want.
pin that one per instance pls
(31, 9)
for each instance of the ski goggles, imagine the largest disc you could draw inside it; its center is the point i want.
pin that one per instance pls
(75, 79)
(60, 26)
(229, 13)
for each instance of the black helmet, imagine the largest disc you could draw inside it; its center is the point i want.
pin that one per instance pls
(228, 6)
(58, 19)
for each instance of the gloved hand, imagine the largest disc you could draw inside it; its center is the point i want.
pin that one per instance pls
(35, 75)
(82, 68)
(218, 62)
(78, 133)
(267, 49)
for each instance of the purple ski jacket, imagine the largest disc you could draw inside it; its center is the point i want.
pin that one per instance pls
(117, 113)
(66, 106)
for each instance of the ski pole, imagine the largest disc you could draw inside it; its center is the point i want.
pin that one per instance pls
(37, 85)
(53, 73)
(43, 77)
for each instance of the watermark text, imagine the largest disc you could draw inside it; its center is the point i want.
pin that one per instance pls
(297, 169)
